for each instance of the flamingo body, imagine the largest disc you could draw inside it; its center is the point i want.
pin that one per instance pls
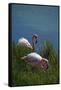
(36, 60)
(34, 56)
(24, 42)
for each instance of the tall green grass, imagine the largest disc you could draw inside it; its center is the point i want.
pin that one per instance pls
(25, 74)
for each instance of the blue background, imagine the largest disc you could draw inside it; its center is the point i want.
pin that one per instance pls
(42, 20)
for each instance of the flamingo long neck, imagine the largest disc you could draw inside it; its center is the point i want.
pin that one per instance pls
(33, 44)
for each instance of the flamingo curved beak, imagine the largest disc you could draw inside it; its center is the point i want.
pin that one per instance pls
(36, 41)
(36, 37)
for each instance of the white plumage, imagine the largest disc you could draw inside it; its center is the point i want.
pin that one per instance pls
(24, 42)
(34, 56)
(36, 60)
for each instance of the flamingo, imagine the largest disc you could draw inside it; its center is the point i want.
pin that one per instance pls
(36, 60)
(24, 42)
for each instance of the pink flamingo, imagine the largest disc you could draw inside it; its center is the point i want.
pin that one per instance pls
(36, 60)
(25, 42)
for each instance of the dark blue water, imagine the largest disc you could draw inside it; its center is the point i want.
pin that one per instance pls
(42, 20)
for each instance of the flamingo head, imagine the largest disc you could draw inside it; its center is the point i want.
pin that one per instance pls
(44, 64)
(35, 37)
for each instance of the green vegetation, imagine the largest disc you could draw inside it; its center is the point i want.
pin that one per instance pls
(25, 74)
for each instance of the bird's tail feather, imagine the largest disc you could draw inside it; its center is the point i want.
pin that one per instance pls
(24, 57)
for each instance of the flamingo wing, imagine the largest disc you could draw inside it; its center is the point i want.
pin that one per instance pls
(24, 42)
(33, 58)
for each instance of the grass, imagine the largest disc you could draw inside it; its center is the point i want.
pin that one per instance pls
(25, 74)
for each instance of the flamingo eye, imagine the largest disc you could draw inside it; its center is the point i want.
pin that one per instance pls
(35, 36)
